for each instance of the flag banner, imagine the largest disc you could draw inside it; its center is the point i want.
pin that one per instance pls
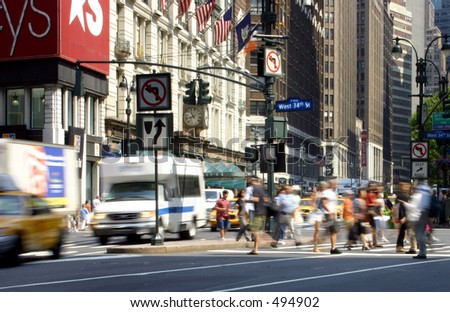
(203, 13)
(163, 4)
(222, 27)
(183, 6)
(244, 31)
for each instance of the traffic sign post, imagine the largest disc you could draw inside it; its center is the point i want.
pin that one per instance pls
(419, 160)
(419, 169)
(293, 104)
(155, 130)
(272, 62)
(154, 92)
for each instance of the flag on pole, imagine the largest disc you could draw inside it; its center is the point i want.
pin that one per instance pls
(163, 5)
(222, 27)
(244, 31)
(203, 13)
(183, 6)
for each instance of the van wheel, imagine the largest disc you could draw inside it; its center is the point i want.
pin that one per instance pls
(191, 232)
(213, 229)
(103, 240)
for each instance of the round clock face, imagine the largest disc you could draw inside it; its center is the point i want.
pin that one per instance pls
(193, 116)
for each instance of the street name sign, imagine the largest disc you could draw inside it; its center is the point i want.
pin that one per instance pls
(293, 104)
(438, 134)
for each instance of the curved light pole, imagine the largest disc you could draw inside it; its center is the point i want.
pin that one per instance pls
(421, 71)
(124, 86)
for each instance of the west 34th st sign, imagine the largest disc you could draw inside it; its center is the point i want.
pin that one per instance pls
(293, 104)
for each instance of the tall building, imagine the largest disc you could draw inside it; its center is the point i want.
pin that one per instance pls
(339, 98)
(306, 81)
(371, 84)
(402, 88)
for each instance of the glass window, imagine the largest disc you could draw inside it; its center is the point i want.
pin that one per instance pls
(91, 112)
(15, 109)
(69, 108)
(189, 186)
(37, 108)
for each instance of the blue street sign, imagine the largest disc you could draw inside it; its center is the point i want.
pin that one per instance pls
(293, 104)
(437, 134)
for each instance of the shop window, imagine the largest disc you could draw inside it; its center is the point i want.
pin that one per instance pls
(37, 108)
(15, 108)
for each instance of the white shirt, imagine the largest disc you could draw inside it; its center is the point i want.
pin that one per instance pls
(332, 200)
(248, 196)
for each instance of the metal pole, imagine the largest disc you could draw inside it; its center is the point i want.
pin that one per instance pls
(157, 239)
(421, 79)
(128, 112)
(270, 107)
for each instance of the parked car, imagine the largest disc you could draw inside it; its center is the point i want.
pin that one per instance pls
(233, 217)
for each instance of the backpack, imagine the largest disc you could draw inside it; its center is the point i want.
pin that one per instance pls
(435, 208)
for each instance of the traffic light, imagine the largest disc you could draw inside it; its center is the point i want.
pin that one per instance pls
(251, 154)
(203, 97)
(446, 108)
(189, 98)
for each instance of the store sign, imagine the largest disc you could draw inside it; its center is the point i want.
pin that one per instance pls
(70, 29)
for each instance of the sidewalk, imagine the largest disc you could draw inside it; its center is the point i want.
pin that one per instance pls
(193, 245)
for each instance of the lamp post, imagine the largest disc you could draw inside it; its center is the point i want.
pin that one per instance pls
(421, 69)
(123, 85)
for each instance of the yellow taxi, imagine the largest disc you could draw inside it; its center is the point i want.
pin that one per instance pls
(306, 207)
(28, 224)
(233, 217)
(339, 207)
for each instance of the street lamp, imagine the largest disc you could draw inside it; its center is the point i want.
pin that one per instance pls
(123, 85)
(421, 67)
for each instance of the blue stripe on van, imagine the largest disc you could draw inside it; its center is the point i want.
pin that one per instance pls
(176, 209)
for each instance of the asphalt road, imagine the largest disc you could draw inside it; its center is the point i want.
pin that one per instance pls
(285, 269)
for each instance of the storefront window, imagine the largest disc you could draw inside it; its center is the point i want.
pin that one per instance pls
(15, 109)
(37, 108)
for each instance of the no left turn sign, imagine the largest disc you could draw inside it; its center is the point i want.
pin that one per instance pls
(153, 92)
(272, 62)
(419, 150)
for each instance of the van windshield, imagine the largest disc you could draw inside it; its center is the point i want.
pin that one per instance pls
(131, 191)
(211, 195)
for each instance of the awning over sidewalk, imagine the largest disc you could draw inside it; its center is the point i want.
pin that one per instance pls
(224, 175)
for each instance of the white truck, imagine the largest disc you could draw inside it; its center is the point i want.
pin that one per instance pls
(130, 186)
(48, 171)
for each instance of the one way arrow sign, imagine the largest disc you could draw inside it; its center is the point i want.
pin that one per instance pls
(155, 130)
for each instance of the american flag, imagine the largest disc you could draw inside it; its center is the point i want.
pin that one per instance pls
(203, 14)
(163, 5)
(222, 27)
(183, 6)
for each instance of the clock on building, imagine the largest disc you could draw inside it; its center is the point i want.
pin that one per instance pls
(193, 115)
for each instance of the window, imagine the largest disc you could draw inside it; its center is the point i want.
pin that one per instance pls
(69, 108)
(15, 107)
(91, 116)
(258, 108)
(189, 186)
(37, 108)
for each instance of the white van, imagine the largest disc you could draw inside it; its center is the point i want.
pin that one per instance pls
(129, 204)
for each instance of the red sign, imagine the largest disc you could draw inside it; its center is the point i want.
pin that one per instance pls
(70, 29)
(364, 148)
